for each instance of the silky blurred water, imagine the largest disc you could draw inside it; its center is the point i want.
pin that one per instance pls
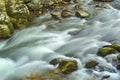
(30, 50)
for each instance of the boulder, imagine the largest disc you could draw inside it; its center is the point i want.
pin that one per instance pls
(6, 27)
(65, 66)
(115, 46)
(66, 14)
(106, 51)
(91, 64)
(81, 14)
(4, 31)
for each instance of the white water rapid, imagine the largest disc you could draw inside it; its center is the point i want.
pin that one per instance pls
(31, 49)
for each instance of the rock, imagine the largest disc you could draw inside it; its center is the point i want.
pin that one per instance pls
(19, 15)
(19, 23)
(67, 66)
(104, 0)
(91, 64)
(105, 77)
(106, 51)
(19, 11)
(56, 15)
(35, 7)
(115, 46)
(66, 14)
(78, 6)
(4, 31)
(55, 61)
(67, 0)
(81, 14)
(6, 27)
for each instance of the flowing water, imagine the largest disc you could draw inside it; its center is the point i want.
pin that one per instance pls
(31, 49)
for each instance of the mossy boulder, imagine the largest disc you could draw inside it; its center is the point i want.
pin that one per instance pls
(4, 31)
(115, 46)
(106, 51)
(91, 64)
(67, 66)
(6, 27)
(66, 14)
(19, 15)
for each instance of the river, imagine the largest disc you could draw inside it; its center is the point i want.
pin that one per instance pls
(31, 49)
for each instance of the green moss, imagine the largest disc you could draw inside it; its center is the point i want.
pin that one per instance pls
(4, 31)
(20, 23)
(106, 51)
(11, 28)
(115, 46)
(67, 66)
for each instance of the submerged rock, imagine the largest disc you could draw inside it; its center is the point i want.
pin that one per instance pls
(118, 66)
(105, 77)
(106, 51)
(91, 64)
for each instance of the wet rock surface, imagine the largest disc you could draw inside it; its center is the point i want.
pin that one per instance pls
(64, 66)
(106, 51)
(91, 64)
